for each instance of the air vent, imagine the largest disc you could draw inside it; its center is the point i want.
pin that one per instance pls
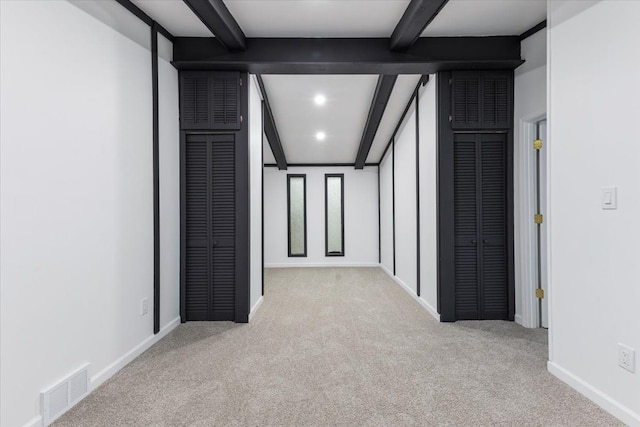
(61, 397)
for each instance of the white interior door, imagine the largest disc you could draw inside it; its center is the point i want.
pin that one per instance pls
(544, 309)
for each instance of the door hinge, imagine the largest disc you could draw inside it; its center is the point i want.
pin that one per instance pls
(450, 82)
(538, 218)
(241, 119)
(537, 144)
(450, 119)
(240, 82)
(539, 293)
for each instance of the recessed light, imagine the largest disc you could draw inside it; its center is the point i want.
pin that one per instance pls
(320, 136)
(320, 99)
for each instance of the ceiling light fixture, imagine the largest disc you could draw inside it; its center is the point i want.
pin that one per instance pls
(320, 99)
(320, 136)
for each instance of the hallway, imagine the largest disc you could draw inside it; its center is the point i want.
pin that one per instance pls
(339, 346)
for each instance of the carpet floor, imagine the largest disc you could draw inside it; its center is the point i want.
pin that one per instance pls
(339, 347)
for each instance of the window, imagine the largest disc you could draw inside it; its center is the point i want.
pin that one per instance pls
(297, 214)
(334, 214)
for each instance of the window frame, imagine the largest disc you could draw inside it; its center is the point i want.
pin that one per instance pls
(326, 213)
(304, 187)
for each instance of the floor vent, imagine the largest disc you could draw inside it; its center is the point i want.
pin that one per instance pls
(61, 397)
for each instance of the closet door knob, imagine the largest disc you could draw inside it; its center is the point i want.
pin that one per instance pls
(215, 243)
(473, 241)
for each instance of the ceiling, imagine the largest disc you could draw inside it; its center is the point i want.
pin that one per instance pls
(175, 16)
(486, 18)
(342, 118)
(317, 18)
(349, 97)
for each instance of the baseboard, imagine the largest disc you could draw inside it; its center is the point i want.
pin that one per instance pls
(610, 405)
(428, 307)
(320, 264)
(255, 307)
(518, 319)
(35, 422)
(431, 309)
(96, 380)
(99, 378)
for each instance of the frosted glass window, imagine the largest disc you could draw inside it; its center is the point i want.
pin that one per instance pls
(297, 215)
(334, 214)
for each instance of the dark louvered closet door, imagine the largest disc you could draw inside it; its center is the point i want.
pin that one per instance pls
(475, 187)
(223, 214)
(481, 100)
(195, 111)
(210, 229)
(465, 226)
(480, 224)
(225, 100)
(494, 279)
(197, 229)
(496, 100)
(465, 100)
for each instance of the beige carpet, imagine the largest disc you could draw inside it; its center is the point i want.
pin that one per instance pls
(340, 347)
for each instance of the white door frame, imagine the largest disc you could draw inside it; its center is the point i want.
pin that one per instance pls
(525, 229)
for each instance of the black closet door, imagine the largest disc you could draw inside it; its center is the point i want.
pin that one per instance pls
(480, 227)
(494, 280)
(466, 226)
(223, 227)
(210, 227)
(198, 290)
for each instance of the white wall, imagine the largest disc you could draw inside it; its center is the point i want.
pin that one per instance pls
(530, 105)
(594, 106)
(255, 206)
(406, 223)
(386, 211)
(76, 202)
(169, 162)
(428, 193)
(360, 217)
(405, 201)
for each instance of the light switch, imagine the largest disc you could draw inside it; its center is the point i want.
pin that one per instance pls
(609, 198)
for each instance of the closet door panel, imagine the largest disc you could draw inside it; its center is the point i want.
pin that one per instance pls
(494, 279)
(223, 217)
(465, 227)
(198, 289)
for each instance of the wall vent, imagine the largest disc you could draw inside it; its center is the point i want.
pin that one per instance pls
(61, 397)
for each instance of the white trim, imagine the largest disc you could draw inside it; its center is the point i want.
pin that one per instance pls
(386, 270)
(35, 422)
(96, 380)
(255, 307)
(321, 264)
(127, 358)
(615, 408)
(428, 307)
(518, 319)
(525, 231)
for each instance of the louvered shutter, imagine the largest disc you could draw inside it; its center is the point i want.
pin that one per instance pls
(481, 100)
(225, 100)
(465, 227)
(223, 216)
(465, 100)
(495, 100)
(197, 276)
(494, 281)
(195, 111)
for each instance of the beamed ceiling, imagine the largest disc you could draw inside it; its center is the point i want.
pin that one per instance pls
(352, 94)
